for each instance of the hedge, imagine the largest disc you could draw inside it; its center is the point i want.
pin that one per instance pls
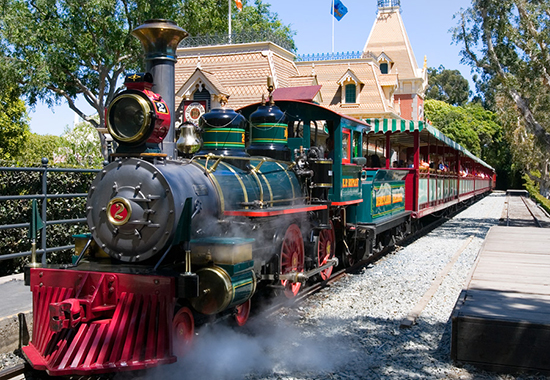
(19, 211)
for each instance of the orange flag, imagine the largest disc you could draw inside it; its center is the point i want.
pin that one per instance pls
(239, 5)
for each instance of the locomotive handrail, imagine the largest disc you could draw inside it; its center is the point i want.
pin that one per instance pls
(221, 158)
(44, 196)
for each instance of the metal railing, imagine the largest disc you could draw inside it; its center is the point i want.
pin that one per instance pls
(43, 196)
(389, 3)
(237, 38)
(334, 56)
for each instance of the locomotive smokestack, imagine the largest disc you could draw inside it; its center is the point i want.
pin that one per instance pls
(160, 39)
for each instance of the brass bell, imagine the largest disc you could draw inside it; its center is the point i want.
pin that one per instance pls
(189, 141)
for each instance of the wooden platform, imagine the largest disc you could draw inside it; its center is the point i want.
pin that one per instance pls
(501, 321)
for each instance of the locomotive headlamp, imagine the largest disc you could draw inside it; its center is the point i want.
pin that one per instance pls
(138, 115)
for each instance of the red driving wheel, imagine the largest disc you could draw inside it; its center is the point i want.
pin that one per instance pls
(243, 311)
(183, 327)
(325, 250)
(292, 258)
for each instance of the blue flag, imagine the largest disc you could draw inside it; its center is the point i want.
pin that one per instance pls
(339, 10)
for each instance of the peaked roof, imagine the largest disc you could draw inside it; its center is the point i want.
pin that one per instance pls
(388, 36)
(212, 83)
(349, 75)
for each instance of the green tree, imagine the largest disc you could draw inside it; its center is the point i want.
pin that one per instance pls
(14, 123)
(208, 17)
(454, 122)
(507, 41)
(448, 86)
(37, 147)
(473, 127)
(79, 147)
(59, 49)
(259, 18)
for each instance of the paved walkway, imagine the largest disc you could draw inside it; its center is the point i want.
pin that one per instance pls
(16, 297)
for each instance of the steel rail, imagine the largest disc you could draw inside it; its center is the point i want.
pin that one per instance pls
(15, 372)
(537, 222)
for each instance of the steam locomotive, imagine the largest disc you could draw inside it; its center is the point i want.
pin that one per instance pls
(178, 234)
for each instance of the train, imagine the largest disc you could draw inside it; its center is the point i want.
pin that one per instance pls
(263, 199)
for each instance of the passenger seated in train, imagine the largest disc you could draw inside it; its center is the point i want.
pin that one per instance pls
(375, 161)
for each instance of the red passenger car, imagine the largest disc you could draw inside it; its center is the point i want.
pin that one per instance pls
(441, 172)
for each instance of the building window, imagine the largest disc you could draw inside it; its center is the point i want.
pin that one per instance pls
(384, 68)
(351, 96)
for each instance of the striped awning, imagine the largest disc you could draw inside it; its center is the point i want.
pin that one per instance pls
(396, 125)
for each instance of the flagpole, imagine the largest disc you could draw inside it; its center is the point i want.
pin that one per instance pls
(229, 19)
(333, 16)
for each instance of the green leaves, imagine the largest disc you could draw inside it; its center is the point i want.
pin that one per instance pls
(448, 86)
(56, 50)
(14, 122)
(209, 17)
(471, 126)
(507, 43)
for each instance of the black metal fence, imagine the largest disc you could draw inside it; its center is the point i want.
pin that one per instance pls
(43, 196)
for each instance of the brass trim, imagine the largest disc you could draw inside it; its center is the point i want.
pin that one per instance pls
(145, 107)
(289, 179)
(245, 193)
(268, 187)
(253, 173)
(216, 185)
(125, 206)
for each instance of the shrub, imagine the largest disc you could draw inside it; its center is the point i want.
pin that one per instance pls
(534, 192)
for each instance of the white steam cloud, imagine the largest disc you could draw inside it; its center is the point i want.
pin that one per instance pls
(263, 347)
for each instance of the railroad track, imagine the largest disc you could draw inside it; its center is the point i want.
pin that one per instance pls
(16, 372)
(521, 212)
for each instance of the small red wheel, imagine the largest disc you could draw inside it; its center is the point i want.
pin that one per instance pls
(325, 250)
(243, 311)
(183, 327)
(292, 258)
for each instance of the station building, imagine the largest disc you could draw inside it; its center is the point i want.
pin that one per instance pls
(381, 81)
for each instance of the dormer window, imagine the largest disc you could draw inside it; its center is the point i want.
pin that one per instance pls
(350, 87)
(384, 63)
(351, 93)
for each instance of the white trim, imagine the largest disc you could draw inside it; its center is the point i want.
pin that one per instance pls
(198, 78)
(385, 57)
(272, 68)
(349, 76)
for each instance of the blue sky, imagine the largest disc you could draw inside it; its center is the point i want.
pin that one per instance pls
(427, 23)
